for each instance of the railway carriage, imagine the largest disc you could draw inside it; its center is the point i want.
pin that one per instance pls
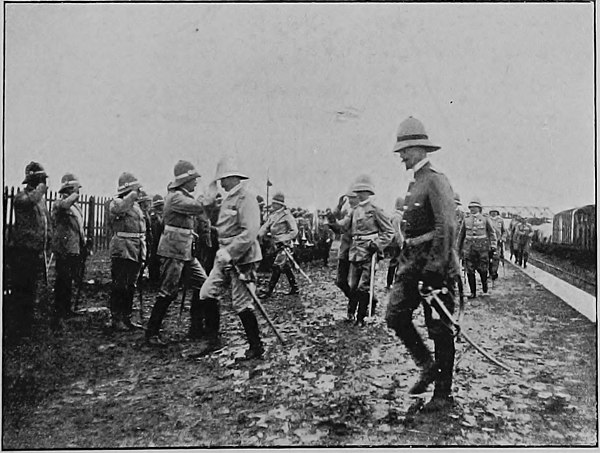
(576, 228)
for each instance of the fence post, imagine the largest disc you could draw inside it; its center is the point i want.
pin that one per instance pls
(90, 220)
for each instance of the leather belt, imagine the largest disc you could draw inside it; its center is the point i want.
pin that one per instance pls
(420, 239)
(365, 237)
(476, 237)
(178, 229)
(124, 234)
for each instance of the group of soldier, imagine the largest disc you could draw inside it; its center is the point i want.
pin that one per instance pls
(202, 243)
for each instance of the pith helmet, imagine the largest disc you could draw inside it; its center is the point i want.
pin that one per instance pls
(475, 203)
(184, 171)
(157, 200)
(32, 170)
(399, 203)
(411, 132)
(350, 192)
(457, 199)
(279, 198)
(69, 180)
(228, 167)
(127, 183)
(144, 197)
(495, 210)
(363, 184)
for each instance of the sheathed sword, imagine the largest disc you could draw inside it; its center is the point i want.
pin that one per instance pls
(441, 309)
(289, 255)
(372, 283)
(258, 304)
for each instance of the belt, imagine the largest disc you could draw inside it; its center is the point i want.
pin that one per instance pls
(476, 237)
(420, 239)
(178, 229)
(123, 234)
(365, 237)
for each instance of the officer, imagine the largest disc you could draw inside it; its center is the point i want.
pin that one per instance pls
(371, 233)
(283, 229)
(522, 238)
(343, 268)
(429, 230)
(69, 246)
(28, 250)
(512, 227)
(177, 257)
(476, 242)
(460, 218)
(236, 261)
(498, 225)
(127, 249)
(397, 242)
(156, 226)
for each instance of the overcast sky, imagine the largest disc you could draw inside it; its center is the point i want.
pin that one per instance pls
(312, 92)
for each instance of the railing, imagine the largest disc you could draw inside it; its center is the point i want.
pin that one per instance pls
(94, 209)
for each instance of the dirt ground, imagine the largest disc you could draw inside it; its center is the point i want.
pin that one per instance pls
(333, 384)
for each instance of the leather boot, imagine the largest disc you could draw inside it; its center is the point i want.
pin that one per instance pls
(420, 354)
(212, 326)
(256, 349)
(525, 258)
(197, 315)
(484, 283)
(275, 273)
(442, 393)
(472, 285)
(292, 280)
(352, 304)
(127, 311)
(159, 310)
(363, 302)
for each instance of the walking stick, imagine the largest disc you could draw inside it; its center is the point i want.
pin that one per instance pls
(182, 305)
(258, 304)
(372, 283)
(289, 255)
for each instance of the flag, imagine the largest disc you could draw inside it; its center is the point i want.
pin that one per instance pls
(269, 183)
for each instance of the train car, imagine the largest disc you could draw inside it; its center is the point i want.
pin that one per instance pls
(576, 228)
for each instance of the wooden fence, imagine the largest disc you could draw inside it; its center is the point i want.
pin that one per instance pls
(95, 215)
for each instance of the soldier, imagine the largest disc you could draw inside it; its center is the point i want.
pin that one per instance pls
(514, 221)
(397, 242)
(261, 206)
(236, 261)
(498, 225)
(343, 268)
(325, 237)
(127, 250)
(69, 247)
(476, 241)
(371, 232)
(427, 256)
(522, 240)
(283, 229)
(460, 218)
(156, 226)
(177, 256)
(28, 249)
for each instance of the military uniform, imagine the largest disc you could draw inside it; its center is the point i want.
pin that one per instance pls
(176, 251)
(283, 229)
(429, 256)
(28, 245)
(69, 244)
(522, 239)
(498, 225)
(236, 261)
(511, 237)
(127, 249)
(371, 233)
(476, 240)
(397, 242)
(156, 226)
(325, 237)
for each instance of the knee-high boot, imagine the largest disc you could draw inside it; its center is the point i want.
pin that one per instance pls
(420, 354)
(159, 311)
(275, 273)
(212, 326)
(197, 315)
(289, 273)
(484, 283)
(444, 359)
(352, 304)
(250, 324)
(525, 258)
(472, 284)
(363, 302)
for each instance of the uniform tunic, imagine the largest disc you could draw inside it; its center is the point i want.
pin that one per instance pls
(237, 226)
(523, 235)
(429, 229)
(476, 238)
(175, 245)
(284, 229)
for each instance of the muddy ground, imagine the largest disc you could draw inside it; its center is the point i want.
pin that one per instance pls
(333, 384)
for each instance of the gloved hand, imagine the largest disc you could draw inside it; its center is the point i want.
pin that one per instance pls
(223, 256)
(373, 248)
(432, 280)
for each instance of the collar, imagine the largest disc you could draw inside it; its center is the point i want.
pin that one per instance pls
(363, 203)
(420, 165)
(233, 191)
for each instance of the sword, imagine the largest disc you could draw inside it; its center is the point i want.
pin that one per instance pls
(372, 283)
(258, 304)
(289, 255)
(441, 309)
(182, 305)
